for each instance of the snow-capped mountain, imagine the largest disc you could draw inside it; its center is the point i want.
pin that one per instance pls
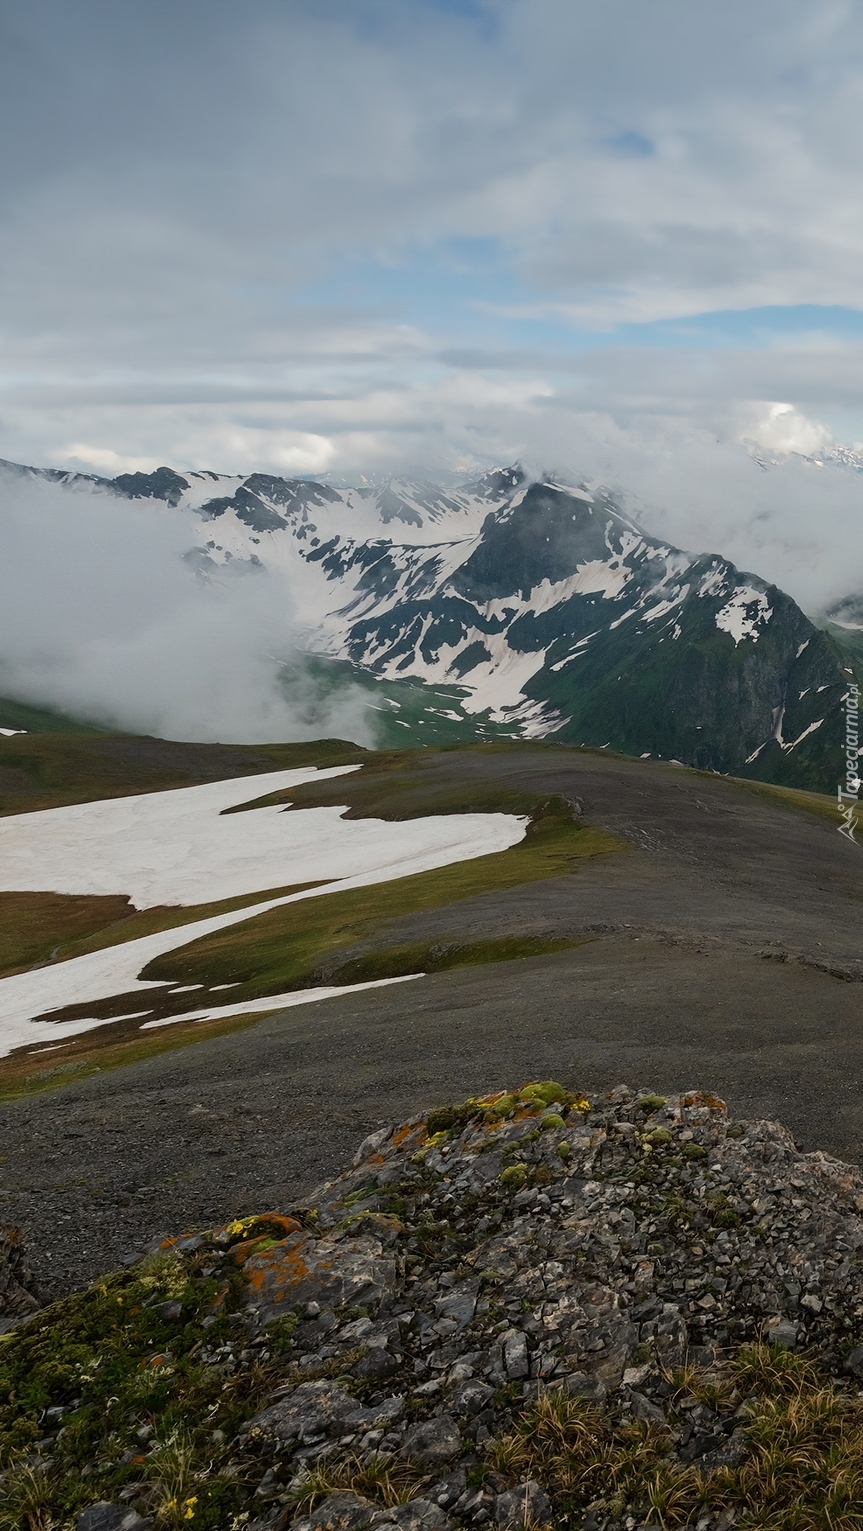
(527, 609)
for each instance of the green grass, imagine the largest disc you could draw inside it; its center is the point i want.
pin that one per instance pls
(35, 925)
(298, 945)
(96, 1355)
(437, 957)
(41, 720)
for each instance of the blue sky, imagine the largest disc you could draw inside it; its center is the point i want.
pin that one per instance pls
(352, 236)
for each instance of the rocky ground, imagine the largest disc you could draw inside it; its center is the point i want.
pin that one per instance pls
(531, 1309)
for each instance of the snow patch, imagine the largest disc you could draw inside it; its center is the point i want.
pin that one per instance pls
(742, 616)
(151, 845)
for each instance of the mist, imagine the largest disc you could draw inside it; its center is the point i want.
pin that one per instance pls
(101, 617)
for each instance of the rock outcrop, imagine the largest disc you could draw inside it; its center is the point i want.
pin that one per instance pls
(528, 1309)
(19, 1293)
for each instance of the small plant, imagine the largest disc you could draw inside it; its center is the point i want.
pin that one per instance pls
(657, 1136)
(25, 1499)
(376, 1477)
(514, 1176)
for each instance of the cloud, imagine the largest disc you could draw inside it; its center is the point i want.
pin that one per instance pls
(781, 428)
(340, 238)
(101, 616)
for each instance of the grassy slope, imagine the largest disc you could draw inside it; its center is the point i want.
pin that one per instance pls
(51, 770)
(39, 928)
(299, 944)
(302, 944)
(339, 938)
(41, 720)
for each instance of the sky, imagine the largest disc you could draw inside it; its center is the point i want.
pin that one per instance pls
(352, 237)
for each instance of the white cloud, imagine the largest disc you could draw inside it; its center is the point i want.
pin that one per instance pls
(188, 193)
(781, 428)
(100, 615)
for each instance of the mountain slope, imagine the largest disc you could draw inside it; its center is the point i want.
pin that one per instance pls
(518, 608)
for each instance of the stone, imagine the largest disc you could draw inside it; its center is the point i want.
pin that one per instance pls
(19, 1293)
(591, 1389)
(527, 1505)
(376, 1364)
(342, 1511)
(432, 1442)
(635, 1375)
(111, 1517)
(515, 1357)
(312, 1409)
(459, 1305)
(642, 1408)
(378, 1416)
(447, 1490)
(854, 1362)
(416, 1515)
(781, 1332)
(331, 1271)
(371, 1145)
(470, 1397)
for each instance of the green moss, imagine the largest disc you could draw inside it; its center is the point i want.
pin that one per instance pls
(434, 957)
(651, 1102)
(447, 1120)
(547, 1091)
(127, 1352)
(514, 1176)
(552, 1120)
(564, 1150)
(694, 1151)
(657, 1135)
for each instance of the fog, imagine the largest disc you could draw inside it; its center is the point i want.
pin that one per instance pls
(101, 617)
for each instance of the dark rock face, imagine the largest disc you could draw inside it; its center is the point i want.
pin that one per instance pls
(163, 484)
(637, 1236)
(19, 1294)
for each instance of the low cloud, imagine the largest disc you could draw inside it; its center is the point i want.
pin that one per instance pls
(100, 616)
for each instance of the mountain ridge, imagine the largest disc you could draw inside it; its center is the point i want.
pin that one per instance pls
(525, 608)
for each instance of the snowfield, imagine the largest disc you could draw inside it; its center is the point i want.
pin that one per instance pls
(179, 847)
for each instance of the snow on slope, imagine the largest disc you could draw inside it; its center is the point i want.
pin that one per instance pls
(497, 586)
(178, 846)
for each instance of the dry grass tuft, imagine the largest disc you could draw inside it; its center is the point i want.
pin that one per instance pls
(379, 1477)
(25, 1496)
(802, 1469)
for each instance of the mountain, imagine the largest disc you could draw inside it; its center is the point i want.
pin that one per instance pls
(518, 608)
